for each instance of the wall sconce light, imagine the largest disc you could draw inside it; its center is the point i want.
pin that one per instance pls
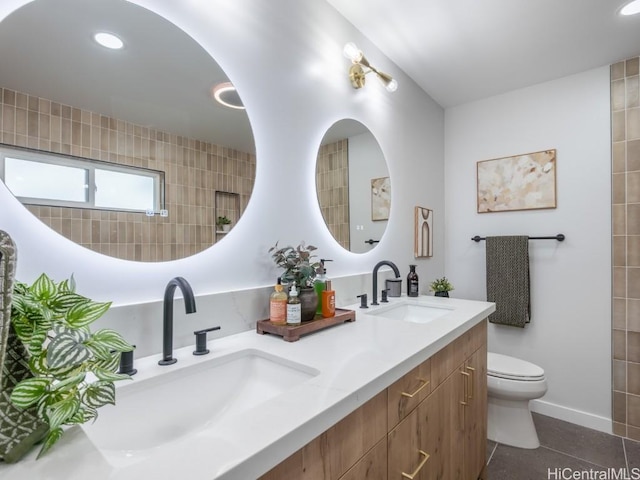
(361, 67)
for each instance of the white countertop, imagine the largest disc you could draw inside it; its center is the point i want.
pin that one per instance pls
(356, 360)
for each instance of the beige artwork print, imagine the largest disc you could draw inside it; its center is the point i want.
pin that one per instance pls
(522, 182)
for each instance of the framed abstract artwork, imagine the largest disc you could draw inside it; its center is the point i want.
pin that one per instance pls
(521, 182)
(423, 232)
(380, 198)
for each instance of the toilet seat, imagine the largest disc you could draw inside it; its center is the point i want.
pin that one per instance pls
(510, 368)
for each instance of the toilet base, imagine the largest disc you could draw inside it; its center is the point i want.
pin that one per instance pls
(510, 423)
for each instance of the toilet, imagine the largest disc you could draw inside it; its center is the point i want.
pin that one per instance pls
(511, 383)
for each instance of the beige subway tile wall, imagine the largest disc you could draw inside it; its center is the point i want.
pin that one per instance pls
(625, 154)
(194, 172)
(332, 185)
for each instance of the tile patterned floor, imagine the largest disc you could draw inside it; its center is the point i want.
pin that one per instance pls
(565, 449)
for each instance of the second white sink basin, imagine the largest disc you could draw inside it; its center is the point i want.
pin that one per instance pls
(413, 312)
(155, 411)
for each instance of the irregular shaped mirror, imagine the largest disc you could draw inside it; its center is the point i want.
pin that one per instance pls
(352, 182)
(145, 163)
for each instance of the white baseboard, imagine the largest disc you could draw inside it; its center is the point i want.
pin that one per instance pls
(585, 419)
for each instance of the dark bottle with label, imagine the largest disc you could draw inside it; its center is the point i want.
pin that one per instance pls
(412, 282)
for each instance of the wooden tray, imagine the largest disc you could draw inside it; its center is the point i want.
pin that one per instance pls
(292, 333)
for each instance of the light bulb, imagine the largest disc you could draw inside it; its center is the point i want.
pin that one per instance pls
(352, 52)
(631, 8)
(108, 40)
(392, 86)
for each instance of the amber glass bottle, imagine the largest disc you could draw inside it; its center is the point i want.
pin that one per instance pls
(412, 282)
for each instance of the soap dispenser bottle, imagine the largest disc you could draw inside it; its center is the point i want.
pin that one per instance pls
(320, 283)
(412, 282)
(294, 308)
(328, 301)
(278, 305)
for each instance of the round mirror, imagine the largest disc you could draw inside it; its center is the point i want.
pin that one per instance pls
(352, 182)
(119, 131)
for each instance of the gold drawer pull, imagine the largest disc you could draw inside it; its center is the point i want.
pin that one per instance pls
(473, 370)
(411, 395)
(464, 388)
(417, 470)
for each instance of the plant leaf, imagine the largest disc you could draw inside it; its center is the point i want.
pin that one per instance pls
(64, 301)
(109, 363)
(69, 382)
(100, 393)
(52, 437)
(59, 412)
(29, 391)
(107, 376)
(66, 350)
(111, 340)
(84, 314)
(43, 288)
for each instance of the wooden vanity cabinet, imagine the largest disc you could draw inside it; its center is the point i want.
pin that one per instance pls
(431, 424)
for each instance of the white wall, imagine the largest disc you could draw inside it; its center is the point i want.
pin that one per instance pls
(570, 331)
(285, 57)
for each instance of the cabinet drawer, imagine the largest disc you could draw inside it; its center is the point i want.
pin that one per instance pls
(373, 466)
(445, 361)
(335, 451)
(405, 394)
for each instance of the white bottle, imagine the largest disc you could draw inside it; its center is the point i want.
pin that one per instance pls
(294, 308)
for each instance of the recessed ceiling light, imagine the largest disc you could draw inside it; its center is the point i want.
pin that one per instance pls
(631, 8)
(108, 40)
(226, 94)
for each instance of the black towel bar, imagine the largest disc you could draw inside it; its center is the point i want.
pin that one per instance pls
(371, 241)
(560, 237)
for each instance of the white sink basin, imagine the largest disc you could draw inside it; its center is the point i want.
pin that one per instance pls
(411, 312)
(155, 411)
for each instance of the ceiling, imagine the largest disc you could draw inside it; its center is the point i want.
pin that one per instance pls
(161, 79)
(464, 50)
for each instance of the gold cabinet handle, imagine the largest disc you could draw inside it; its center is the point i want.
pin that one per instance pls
(411, 476)
(472, 370)
(464, 388)
(411, 395)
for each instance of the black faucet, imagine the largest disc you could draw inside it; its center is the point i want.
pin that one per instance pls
(375, 277)
(167, 315)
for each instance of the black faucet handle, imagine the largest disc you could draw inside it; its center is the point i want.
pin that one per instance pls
(383, 293)
(201, 340)
(363, 300)
(126, 363)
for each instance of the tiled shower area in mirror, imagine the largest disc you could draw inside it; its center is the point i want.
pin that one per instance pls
(194, 171)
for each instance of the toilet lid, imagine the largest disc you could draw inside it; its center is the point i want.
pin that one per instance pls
(511, 368)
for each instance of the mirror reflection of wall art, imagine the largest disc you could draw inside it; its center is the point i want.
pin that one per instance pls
(521, 182)
(423, 232)
(380, 198)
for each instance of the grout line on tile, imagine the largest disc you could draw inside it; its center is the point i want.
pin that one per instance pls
(495, 447)
(577, 458)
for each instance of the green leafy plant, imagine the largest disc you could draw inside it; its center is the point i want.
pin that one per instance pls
(73, 369)
(440, 285)
(297, 263)
(223, 221)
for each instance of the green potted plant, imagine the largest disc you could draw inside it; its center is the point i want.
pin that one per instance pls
(223, 223)
(300, 268)
(72, 369)
(441, 287)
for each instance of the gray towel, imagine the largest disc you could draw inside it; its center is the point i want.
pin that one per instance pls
(508, 280)
(19, 429)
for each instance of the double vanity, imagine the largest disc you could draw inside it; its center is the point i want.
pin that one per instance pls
(341, 401)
